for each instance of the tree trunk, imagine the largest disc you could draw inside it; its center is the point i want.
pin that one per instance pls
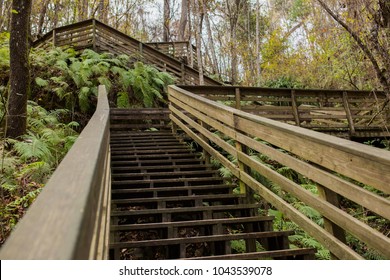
(380, 73)
(19, 69)
(166, 23)
(233, 10)
(210, 40)
(83, 9)
(198, 36)
(104, 6)
(5, 15)
(42, 15)
(183, 20)
(258, 62)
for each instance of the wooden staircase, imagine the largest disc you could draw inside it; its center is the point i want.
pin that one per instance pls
(167, 203)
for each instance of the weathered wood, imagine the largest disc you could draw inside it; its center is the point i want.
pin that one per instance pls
(358, 161)
(261, 255)
(74, 200)
(199, 239)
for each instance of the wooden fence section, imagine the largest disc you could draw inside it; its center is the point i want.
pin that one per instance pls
(70, 218)
(182, 50)
(346, 113)
(103, 38)
(338, 167)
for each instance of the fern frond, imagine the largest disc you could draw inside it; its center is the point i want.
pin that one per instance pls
(122, 100)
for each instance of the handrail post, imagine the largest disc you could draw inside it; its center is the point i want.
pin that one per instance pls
(141, 51)
(183, 73)
(332, 228)
(206, 155)
(94, 35)
(348, 113)
(295, 108)
(54, 38)
(238, 98)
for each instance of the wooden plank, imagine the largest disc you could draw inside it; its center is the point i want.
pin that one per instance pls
(206, 146)
(330, 242)
(259, 255)
(361, 230)
(357, 161)
(199, 239)
(202, 104)
(345, 188)
(210, 136)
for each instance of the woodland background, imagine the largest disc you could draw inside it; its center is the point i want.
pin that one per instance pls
(250, 42)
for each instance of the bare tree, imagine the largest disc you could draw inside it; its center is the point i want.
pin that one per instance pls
(19, 69)
(183, 20)
(198, 37)
(233, 9)
(167, 19)
(210, 39)
(370, 46)
(42, 15)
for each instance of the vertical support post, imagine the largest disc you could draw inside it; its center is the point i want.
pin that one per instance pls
(183, 73)
(295, 108)
(206, 155)
(94, 35)
(238, 98)
(54, 37)
(141, 51)
(348, 113)
(188, 53)
(191, 47)
(329, 226)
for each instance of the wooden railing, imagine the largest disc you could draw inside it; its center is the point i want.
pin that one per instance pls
(338, 167)
(340, 112)
(70, 218)
(100, 37)
(181, 50)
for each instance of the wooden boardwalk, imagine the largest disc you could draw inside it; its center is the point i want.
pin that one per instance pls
(168, 203)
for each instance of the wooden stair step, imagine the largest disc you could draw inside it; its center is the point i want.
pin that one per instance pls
(165, 174)
(178, 188)
(168, 168)
(213, 208)
(150, 183)
(201, 239)
(178, 198)
(194, 223)
(161, 157)
(151, 151)
(299, 254)
(154, 162)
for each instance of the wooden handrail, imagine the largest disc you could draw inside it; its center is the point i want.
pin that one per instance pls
(70, 218)
(314, 155)
(353, 113)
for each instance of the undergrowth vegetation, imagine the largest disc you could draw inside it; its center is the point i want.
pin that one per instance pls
(27, 166)
(62, 99)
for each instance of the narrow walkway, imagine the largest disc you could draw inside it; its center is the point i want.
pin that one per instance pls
(168, 204)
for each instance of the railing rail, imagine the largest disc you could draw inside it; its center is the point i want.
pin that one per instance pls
(339, 112)
(338, 167)
(95, 34)
(70, 218)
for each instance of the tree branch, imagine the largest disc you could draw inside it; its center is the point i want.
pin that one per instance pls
(380, 75)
